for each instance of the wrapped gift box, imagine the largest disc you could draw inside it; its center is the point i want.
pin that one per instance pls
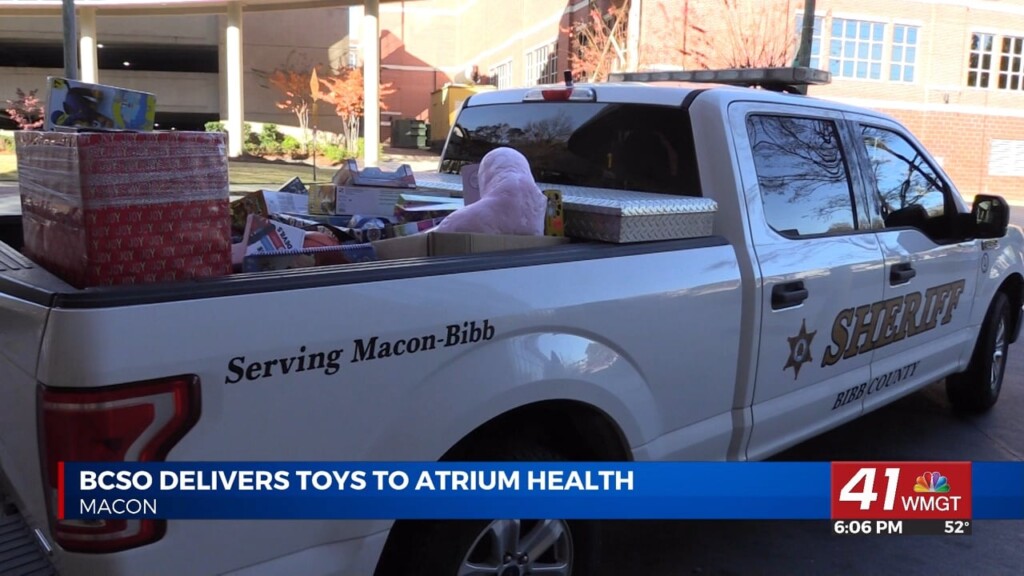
(125, 208)
(623, 216)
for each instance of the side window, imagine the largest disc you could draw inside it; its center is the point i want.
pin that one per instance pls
(803, 176)
(909, 191)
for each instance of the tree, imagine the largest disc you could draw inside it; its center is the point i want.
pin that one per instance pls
(344, 90)
(293, 81)
(26, 110)
(599, 43)
(679, 41)
(297, 97)
(761, 34)
(695, 34)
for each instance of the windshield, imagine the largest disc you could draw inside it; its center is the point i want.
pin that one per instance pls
(624, 146)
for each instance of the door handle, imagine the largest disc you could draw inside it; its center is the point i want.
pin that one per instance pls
(788, 295)
(901, 273)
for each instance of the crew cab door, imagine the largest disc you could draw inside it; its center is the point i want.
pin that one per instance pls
(922, 330)
(818, 256)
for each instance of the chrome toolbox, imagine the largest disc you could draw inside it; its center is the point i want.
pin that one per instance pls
(623, 216)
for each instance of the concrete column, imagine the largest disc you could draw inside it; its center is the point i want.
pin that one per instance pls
(70, 39)
(633, 36)
(235, 78)
(87, 45)
(371, 82)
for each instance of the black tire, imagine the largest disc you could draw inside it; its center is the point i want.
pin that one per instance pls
(441, 548)
(977, 388)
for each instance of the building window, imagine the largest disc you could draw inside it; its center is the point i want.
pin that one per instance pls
(1011, 75)
(501, 75)
(981, 60)
(856, 49)
(542, 65)
(815, 38)
(904, 53)
(1006, 72)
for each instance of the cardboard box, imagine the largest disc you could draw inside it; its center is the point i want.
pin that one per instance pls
(74, 104)
(266, 203)
(415, 246)
(410, 228)
(350, 174)
(328, 199)
(322, 199)
(451, 244)
(308, 257)
(125, 208)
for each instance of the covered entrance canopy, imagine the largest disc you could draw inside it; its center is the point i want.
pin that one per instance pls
(233, 9)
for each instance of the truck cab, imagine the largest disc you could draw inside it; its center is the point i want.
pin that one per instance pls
(843, 271)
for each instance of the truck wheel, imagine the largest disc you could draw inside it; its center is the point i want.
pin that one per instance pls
(504, 547)
(977, 388)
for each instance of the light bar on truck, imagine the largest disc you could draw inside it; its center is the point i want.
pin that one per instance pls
(764, 77)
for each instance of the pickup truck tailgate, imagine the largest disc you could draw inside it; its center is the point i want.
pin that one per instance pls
(22, 322)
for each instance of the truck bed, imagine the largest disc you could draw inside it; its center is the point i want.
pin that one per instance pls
(390, 346)
(22, 279)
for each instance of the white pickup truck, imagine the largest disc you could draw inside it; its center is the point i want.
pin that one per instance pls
(845, 271)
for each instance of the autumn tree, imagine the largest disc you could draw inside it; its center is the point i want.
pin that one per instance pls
(27, 110)
(680, 39)
(344, 90)
(298, 99)
(729, 33)
(761, 34)
(598, 43)
(294, 80)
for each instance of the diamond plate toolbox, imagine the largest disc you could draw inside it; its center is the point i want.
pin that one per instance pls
(623, 216)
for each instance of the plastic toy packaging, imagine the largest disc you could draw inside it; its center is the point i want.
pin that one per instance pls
(71, 104)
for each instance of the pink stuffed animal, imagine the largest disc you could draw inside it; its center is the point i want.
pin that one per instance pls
(510, 202)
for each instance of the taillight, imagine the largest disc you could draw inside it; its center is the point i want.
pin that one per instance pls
(138, 422)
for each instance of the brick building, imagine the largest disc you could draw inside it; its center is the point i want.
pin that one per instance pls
(952, 70)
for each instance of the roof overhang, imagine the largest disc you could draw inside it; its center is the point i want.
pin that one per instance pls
(156, 7)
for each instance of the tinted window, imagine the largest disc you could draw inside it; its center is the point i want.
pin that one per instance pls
(625, 146)
(910, 193)
(804, 180)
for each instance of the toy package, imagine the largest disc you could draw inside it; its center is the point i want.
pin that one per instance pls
(71, 104)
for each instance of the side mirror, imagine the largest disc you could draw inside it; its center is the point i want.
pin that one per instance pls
(990, 215)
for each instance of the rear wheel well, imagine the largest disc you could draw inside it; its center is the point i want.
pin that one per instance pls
(1013, 287)
(550, 430)
(573, 429)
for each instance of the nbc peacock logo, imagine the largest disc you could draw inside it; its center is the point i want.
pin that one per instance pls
(932, 482)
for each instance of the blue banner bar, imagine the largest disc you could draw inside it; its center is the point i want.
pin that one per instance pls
(998, 490)
(473, 490)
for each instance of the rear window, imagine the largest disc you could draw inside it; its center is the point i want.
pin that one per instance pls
(623, 146)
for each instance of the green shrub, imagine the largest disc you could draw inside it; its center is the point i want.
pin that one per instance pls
(217, 126)
(290, 145)
(361, 147)
(270, 148)
(6, 143)
(270, 133)
(252, 148)
(333, 152)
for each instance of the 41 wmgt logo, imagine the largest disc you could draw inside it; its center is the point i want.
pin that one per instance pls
(901, 490)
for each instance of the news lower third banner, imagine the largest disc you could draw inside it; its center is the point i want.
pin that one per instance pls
(570, 490)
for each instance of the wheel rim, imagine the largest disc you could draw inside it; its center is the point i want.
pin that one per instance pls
(520, 548)
(998, 356)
